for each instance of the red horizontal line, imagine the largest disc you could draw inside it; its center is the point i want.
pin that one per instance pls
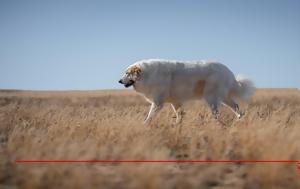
(156, 161)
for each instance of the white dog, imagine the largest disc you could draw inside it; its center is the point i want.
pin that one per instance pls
(175, 82)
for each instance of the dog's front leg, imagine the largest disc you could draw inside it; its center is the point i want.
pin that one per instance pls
(154, 109)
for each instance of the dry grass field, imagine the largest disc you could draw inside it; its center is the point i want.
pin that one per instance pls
(108, 125)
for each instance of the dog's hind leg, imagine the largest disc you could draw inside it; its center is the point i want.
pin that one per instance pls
(178, 111)
(214, 93)
(214, 104)
(233, 106)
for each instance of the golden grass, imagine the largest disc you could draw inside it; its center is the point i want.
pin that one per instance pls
(108, 125)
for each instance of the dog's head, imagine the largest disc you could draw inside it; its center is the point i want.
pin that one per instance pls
(131, 76)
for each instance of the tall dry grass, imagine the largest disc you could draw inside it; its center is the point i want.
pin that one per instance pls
(107, 125)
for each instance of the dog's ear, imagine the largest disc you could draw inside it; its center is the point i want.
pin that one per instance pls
(136, 70)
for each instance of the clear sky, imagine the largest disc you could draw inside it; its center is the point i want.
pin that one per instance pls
(62, 45)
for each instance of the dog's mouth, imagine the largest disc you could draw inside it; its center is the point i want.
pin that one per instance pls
(131, 82)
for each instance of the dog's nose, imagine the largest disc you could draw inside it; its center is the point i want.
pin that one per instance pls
(120, 81)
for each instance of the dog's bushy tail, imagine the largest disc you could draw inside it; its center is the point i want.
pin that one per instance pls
(244, 89)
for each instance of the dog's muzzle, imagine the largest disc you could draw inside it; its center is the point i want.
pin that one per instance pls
(131, 82)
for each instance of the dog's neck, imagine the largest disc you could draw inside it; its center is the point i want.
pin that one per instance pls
(137, 86)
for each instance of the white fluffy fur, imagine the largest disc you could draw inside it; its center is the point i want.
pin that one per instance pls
(175, 82)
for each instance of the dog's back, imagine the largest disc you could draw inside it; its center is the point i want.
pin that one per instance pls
(186, 80)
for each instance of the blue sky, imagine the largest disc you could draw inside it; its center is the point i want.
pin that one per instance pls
(79, 45)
